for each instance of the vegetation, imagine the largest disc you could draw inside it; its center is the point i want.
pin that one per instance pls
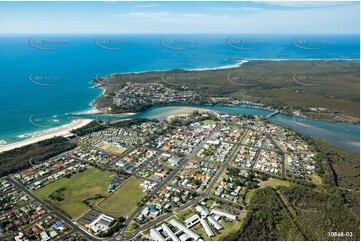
(193, 117)
(58, 195)
(79, 187)
(93, 126)
(18, 159)
(98, 125)
(123, 201)
(335, 165)
(335, 86)
(268, 219)
(318, 213)
(278, 211)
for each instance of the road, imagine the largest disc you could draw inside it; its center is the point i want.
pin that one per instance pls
(75, 228)
(171, 175)
(200, 195)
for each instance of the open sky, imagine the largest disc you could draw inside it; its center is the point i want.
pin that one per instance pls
(180, 17)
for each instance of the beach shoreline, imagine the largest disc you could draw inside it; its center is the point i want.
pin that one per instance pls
(78, 123)
(48, 135)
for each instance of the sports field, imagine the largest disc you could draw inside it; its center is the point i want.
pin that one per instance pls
(113, 149)
(79, 186)
(124, 200)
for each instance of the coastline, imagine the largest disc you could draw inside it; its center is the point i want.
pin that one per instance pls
(179, 112)
(238, 63)
(78, 123)
(62, 132)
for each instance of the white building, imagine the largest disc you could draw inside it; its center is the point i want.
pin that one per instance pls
(180, 226)
(215, 224)
(169, 232)
(204, 212)
(102, 223)
(44, 236)
(223, 214)
(156, 235)
(207, 228)
(192, 220)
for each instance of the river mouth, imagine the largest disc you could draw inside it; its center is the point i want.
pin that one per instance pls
(343, 135)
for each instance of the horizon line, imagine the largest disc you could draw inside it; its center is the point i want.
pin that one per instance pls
(88, 33)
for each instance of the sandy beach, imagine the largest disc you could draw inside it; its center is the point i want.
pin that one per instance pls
(62, 132)
(185, 111)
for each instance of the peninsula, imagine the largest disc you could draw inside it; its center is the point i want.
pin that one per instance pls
(318, 89)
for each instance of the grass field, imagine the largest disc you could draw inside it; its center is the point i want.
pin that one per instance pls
(209, 121)
(124, 200)
(272, 182)
(112, 149)
(78, 187)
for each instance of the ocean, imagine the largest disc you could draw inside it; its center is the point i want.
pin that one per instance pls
(44, 77)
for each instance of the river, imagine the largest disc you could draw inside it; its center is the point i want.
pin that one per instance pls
(344, 135)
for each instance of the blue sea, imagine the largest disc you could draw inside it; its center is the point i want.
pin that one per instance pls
(44, 77)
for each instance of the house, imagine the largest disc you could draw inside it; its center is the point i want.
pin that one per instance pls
(145, 212)
(44, 236)
(111, 187)
(219, 191)
(53, 234)
(36, 229)
(19, 237)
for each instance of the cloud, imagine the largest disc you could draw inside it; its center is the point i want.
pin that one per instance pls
(151, 15)
(342, 19)
(148, 5)
(308, 3)
(211, 17)
(237, 9)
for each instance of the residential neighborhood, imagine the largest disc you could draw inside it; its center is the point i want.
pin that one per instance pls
(137, 94)
(188, 181)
